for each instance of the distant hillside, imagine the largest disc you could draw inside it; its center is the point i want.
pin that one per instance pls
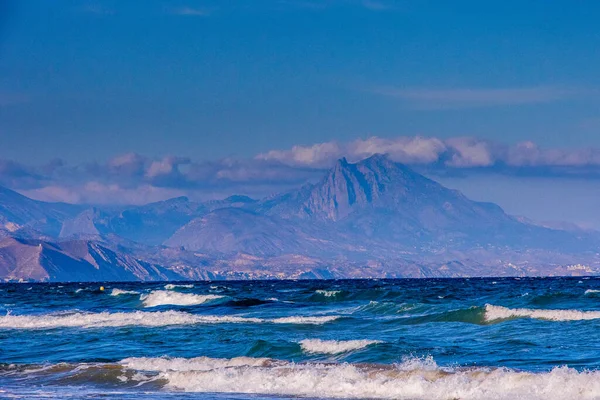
(372, 218)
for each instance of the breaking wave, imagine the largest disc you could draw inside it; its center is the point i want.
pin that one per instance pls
(592, 292)
(328, 293)
(334, 346)
(118, 292)
(493, 313)
(305, 320)
(140, 319)
(413, 379)
(170, 286)
(160, 298)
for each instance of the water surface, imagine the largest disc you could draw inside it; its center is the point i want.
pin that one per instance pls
(498, 338)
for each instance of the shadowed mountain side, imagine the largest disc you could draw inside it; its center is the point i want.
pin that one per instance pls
(232, 230)
(18, 212)
(150, 224)
(72, 261)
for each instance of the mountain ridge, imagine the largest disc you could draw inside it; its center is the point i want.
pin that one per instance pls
(374, 212)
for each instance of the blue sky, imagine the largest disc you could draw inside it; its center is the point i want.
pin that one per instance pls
(209, 85)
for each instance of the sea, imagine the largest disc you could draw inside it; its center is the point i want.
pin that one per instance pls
(498, 338)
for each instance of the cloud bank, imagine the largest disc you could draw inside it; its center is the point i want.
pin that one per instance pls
(457, 153)
(136, 179)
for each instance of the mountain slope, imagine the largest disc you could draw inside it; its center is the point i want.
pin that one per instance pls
(378, 183)
(20, 212)
(149, 224)
(375, 207)
(72, 261)
(232, 230)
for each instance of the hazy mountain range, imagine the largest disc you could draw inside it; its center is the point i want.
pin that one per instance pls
(375, 218)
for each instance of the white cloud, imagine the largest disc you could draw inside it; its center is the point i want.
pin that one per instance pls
(457, 152)
(469, 152)
(317, 155)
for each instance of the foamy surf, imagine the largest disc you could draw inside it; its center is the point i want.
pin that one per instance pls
(140, 319)
(328, 293)
(413, 379)
(170, 286)
(119, 292)
(334, 346)
(161, 298)
(305, 320)
(493, 313)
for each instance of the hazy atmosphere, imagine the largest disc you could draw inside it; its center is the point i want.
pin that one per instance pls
(113, 102)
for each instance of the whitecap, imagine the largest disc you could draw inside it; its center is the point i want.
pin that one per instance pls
(160, 298)
(119, 292)
(139, 319)
(305, 320)
(415, 379)
(328, 293)
(170, 286)
(334, 346)
(493, 313)
(591, 291)
(117, 319)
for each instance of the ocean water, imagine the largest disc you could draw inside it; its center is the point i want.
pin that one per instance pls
(511, 338)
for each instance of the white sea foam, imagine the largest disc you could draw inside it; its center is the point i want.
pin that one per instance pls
(119, 292)
(170, 286)
(413, 379)
(592, 291)
(139, 319)
(105, 319)
(328, 293)
(305, 320)
(334, 346)
(162, 297)
(497, 312)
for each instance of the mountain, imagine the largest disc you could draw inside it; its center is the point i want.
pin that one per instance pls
(149, 224)
(389, 200)
(38, 260)
(20, 213)
(375, 207)
(233, 230)
(373, 218)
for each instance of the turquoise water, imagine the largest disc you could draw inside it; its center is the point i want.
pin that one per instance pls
(512, 338)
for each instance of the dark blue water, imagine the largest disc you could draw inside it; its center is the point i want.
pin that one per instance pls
(405, 339)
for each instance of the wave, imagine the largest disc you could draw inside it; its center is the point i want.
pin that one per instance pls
(493, 313)
(305, 320)
(140, 319)
(160, 298)
(117, 319)
(412, 379)
(119, 292)
(384, 308)
(328, 293)
(170, 286)
(334, 346)
(593, 292)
